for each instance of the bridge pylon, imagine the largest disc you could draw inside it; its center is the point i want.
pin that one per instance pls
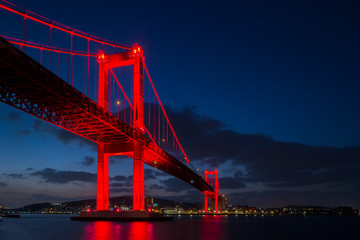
(211, 178)
(138, 161)
(106, 63)
(102, 193)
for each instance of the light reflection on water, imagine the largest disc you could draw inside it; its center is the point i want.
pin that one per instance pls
(213, 227)
(59, 227)
(117, 230)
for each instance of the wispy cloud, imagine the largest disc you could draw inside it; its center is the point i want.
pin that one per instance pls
(16, 176)
(62, 135)
(3, 184)
(88, 161)
(12, 116)
(60, 177)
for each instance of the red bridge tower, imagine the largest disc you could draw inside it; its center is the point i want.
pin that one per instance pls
(211, 178)
(106, 63)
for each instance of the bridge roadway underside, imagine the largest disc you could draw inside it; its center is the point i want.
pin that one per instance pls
(27, 85)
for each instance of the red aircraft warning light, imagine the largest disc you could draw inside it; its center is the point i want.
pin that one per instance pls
(137, 49)
(102, 57)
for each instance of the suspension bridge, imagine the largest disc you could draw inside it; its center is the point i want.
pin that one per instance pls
(100, 90)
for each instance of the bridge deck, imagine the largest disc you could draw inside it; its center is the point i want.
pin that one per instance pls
(30, 87)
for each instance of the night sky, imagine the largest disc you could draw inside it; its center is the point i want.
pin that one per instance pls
(267, 92)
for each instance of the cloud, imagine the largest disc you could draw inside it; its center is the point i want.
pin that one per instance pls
(126, 179)
(119, 178)
(49, 198)
(116, 185)
(312, 177)
(62, 135)
(254, 160)
(259, 161)
(175, 185)
(3, 184)
(156, 187)
(22, 133)
(231, 183)
(123, 184)
(161, 174)
(15, 176)
(13, 193)
(280, 164)
(149, 174)
(29, 169)
(259, 158)
(282, 198)
(118, 158)
(12, 116)
(121, 190)
(54, 176)
(190, 196)
(88, 161)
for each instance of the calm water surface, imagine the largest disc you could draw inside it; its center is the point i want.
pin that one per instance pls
(59, 227)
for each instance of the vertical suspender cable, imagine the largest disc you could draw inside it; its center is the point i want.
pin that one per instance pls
(51, 31)
(132, 93)
(72, 61)
(58, 62)
(88, 53)
(109, 93)
(154, 114)
(96, 81)
(85, 74)
(149, 107)
(124, 109)
(159, 126)
(113, 89)
(118, 105)
(41, 56)
(163, 131)
(114, 97)
(25, 29)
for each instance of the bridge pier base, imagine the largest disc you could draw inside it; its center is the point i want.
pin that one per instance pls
(206, 204)
(102, 191)
(214, 202)
(138, 177)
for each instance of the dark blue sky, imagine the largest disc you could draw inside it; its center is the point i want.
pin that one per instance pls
(234, 71)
